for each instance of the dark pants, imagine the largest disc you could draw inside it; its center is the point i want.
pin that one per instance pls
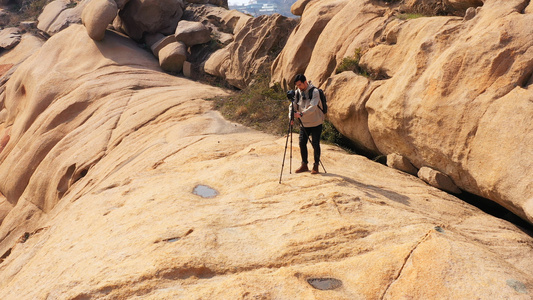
(315, 133)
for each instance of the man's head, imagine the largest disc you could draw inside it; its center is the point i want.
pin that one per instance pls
(301, 82)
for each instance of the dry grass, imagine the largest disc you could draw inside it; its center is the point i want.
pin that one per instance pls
(258, 106)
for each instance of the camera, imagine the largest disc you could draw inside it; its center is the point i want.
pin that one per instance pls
(291, 94)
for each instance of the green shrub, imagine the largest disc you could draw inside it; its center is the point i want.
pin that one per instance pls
(351, 63)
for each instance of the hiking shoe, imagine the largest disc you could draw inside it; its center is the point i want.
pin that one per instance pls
(315, 169)
(302, 168)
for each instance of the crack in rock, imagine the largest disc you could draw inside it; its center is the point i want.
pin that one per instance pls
(423, 239)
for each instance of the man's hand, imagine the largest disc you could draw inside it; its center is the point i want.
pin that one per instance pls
(298, 115)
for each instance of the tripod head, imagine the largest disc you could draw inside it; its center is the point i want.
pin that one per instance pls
(291, 96)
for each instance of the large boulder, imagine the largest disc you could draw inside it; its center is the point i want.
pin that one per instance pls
(59, 14)
(253, 48)
(347, 95)
(298, 7)
(192, 33)
(50, 14)
(439, 91)
(172, 56)
(161, 43)
(150, 16)
(438, 180)
(9, 37)
(295, 57)
(97, 15)
(222, 23)
(68, 17)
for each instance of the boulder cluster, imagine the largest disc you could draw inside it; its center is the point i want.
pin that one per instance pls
(161, 25)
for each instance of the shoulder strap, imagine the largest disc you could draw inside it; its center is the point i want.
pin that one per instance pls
(311, 90)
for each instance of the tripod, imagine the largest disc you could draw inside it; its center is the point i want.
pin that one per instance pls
(290, 96)
(289, 133)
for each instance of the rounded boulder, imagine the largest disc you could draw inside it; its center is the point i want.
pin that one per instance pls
(172, 57)
(192, 33)
(97, 15)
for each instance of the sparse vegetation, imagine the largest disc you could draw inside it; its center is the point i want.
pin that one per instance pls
(266, 109)
(31, 9)
(422, 10)
(28, 10)
(406, 16)
(351, 63)
(258, 106)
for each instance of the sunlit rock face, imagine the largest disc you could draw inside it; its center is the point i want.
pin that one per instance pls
(121, 182)
(449, 93)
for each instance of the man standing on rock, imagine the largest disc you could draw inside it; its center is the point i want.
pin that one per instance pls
(307, 109)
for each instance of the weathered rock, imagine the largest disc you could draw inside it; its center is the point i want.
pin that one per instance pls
(5, 208)
(298, 7)
(401, 163)
(187, 69)
(156, 47)
(470, 14)
(28, 45)
(50, 14)
(222, 23)
(529, 9)
(118, 26)
(172, 56)
(9, 61)
(438, 180)
(9, 37)
(192, 33)
(97, 15)
(218, 63)
(4, 68)
(294, 59)
(223, 38)
(430, 108)
(122, 220)
(449, 128)
(68, 17)
(253, 47)
(150, 16)
(347, 95)
(235, 20)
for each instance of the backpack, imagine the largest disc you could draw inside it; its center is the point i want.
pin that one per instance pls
(324, 108)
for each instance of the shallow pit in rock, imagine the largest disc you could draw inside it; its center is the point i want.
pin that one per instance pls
(204, 191)
(324, 284)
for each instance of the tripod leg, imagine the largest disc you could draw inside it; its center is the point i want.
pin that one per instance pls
(290, 129)
(284, 153)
